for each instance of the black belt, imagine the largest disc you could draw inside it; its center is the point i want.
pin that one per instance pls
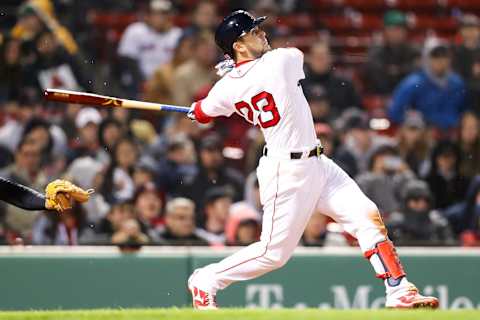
(315, 152)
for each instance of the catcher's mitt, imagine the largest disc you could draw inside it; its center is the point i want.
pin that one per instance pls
(60, 193)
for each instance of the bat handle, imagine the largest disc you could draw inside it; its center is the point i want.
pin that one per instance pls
(175, 108)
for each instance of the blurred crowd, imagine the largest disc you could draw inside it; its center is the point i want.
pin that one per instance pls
(397, 109)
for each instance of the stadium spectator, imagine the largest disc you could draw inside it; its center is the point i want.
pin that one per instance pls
(252, 193)
(358, 139)
(389, 62)
(194, 77)
(435, 91)
(60, 229)
(118, 183)
(465, 215)
(110, 224)
(26, 170)
(414, 143)
(109, 132)
(386, 178)
(144, 172)
(53, 67)
(321, 81)
(339, 153)
(204, 19)
(151, 43)
(469, 142)
(86, 144)
(212, 172)
(315, 231)
(179, 229)
(10, 70)
(465, 52)
(22, 111)
(474, 86)
(448, 185)
(416, 223)
(177, 167)
(243, 225)
(130, 234)
(218, 201)
(159, 88)
(148, 206)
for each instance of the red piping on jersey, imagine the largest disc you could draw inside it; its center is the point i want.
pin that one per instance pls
(238, 64)
(200, 116)
(271, 230)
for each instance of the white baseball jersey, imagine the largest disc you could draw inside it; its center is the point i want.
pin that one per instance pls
(266, 92)
(151, 48)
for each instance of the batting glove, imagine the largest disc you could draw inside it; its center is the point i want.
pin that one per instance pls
(191, 113)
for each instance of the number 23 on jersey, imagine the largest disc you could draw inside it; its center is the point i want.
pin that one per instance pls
(267, 112)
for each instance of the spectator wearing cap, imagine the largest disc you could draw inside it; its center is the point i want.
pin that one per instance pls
(389, 62)
(448, 185)
(358, 139)
(465, 53)
(151, 44)
(435, 91)
(414, 142)
(193, 78)
(386, 178)
(416, 223)
(218, 201)
(321, 81)
(179, 228)
(87, 122)
(212, 172)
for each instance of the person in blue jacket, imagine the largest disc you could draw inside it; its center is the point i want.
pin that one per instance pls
(435, 90)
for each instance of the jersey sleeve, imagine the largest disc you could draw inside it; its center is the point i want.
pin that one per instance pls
(214, 105)
(290, 60)
(21, 196)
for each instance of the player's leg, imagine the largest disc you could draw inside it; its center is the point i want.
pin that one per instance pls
(360, 217)
(285, 188)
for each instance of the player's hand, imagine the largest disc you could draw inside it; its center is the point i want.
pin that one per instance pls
(59, 195)
(191, 113)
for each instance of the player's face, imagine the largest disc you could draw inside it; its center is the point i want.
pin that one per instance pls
(254, 43)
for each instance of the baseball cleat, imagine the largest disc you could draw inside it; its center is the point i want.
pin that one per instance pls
(201, 299)
(410, 298)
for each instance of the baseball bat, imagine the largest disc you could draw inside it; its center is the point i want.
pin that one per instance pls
(106, 101)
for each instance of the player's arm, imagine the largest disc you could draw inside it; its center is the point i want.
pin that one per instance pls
(212, 106)
(21, 196)
(58, 195)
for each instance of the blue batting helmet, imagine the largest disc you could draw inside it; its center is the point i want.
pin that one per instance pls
(233, 26)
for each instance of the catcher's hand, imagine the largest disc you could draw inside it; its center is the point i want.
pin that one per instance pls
(60, 193)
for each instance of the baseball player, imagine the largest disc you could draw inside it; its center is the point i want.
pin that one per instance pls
(295, 178)
(58, 195)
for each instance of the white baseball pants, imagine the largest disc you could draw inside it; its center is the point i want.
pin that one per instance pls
(290, 191)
